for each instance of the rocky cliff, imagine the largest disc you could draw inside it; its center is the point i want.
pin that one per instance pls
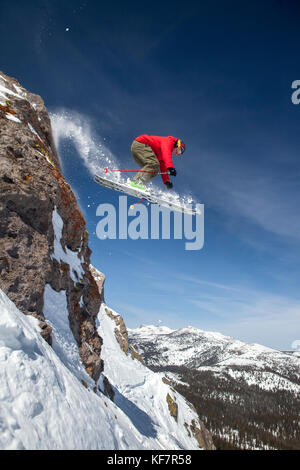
(37, 207)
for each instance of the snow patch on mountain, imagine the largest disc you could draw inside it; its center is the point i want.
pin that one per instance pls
(63, 341)
(64, 254)
(147, 331)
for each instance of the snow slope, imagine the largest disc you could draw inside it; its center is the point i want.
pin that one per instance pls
(142, 394)
(45, 405)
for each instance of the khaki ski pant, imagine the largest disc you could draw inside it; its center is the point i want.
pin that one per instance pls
(146, 159)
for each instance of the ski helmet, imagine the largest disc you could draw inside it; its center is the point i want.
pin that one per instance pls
(179, 147)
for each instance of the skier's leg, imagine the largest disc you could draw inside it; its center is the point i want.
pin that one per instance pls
(137, 153)
(146, 159)
(151, 168)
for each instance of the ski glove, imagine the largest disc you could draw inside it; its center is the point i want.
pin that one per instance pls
(172, 171)
(169, 185)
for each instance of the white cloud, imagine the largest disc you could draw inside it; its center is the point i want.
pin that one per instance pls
(202, 282)
(252, 315)
(268, 200)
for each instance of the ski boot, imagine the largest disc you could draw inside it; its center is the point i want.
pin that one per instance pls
(138, 185)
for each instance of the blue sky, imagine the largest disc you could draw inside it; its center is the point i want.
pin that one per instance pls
(218, 74)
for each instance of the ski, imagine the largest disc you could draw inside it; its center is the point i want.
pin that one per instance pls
(138, 193)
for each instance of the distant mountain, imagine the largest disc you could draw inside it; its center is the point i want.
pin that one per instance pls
(247, 394)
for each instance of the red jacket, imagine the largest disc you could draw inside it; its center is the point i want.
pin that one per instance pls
(162, 147)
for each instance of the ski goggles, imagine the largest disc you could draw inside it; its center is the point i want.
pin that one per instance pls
(180, 147)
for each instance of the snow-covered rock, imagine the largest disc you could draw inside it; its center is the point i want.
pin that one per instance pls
(48, 401)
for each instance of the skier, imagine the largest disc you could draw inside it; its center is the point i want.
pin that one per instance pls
(154, 154)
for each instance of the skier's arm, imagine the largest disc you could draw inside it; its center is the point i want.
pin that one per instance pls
(166, 153)
(164, 169)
